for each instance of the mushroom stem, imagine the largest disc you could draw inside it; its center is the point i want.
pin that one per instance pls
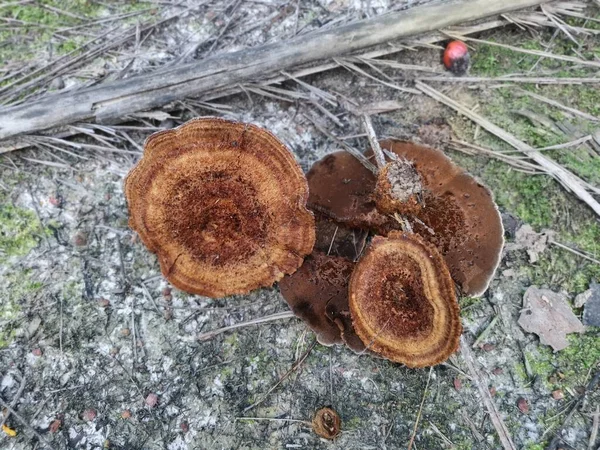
(379, 156)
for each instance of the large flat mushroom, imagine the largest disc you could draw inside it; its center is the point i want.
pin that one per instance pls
(223, 204)
(403, 303)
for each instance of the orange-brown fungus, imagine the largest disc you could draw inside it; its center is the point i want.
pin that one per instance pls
(458, 216)
(327, 423)
(222, 204)
(399, 188)
(403, 302)
(318, 293)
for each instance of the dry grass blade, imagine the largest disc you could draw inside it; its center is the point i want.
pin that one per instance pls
(277, 316)
(292, 369)
(583, 62)
(559, 105)
(513, 79)
(566, 178)
(372, 136)
(519, 164)
(481, 381)
(576, 252)
(414, 431)
(345, 63)
(394, 64)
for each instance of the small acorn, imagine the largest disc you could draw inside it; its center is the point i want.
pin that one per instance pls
(456, 57)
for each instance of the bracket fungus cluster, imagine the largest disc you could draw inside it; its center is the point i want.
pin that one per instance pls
(368, 260)
(431, 225)
(222, 204)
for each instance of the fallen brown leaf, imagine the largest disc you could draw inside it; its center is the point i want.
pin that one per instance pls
(548, 315)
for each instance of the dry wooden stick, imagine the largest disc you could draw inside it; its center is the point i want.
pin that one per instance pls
(429, 38)
(117, 99)
(270, 318)
(372, 137)
(566, 178)
(414, 432)
(481, 381)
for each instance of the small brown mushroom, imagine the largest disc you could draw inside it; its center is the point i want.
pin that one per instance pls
(399, 188)
(327, 423)
(318, 293)
(403, 302)
(223, 204)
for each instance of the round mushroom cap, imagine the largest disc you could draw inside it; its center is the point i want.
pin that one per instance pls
(458, 215)
(403, 303)
(318, 294)
(222, 204)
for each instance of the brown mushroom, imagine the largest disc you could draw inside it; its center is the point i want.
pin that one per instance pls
(318, 293)
(222, 203)
(403, 302)
(458, 216)
(326, 423)
(450, 208)
(342, 188)
(399, 188)
(338, 240)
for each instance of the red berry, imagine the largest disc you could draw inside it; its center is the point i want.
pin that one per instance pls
(456, 57)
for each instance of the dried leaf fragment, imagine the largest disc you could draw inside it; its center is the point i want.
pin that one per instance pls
(327, 423)
(547, 314)
(9, 431)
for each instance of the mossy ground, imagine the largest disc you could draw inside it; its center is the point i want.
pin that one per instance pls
(89, 361)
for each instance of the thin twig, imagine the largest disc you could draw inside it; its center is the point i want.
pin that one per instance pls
(481, 381)
(574, 408)
(15, 400)
(277, 316)
(595, 425)
(414, 432)
(583, 62)
(292, 369)
(485, 332)
(276, 419)
(24, 423)
(556, 104)
(372, 137)
(576, 252)
(513, 79)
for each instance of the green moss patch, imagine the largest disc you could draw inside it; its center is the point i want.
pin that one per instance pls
(19, 231)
